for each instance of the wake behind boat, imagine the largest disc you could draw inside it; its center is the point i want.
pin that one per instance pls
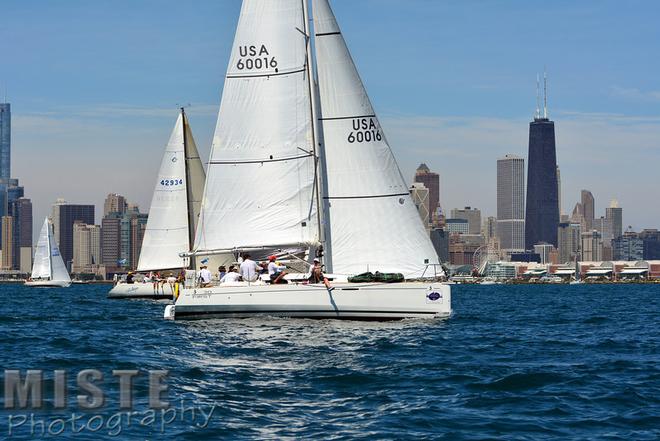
(296, 165)
(173, 216)
(48, 269)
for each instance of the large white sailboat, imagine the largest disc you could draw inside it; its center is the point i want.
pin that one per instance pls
(48, 269)
(173, 215)
(300, 164)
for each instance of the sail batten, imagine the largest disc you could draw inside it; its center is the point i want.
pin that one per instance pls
(260, 182)
(373, 222)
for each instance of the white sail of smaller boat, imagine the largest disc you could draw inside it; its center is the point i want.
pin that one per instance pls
(48, 268)
(173, 214)
(175, 203)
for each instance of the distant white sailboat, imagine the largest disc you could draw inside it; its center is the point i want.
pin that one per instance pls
(173, 214)
(48, 269)
(293, 165)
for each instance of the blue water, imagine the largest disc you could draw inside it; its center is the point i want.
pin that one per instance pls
(514, 362)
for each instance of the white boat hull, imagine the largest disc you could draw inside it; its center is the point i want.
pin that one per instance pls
(48, 283)
(351, 301)
(140, 290)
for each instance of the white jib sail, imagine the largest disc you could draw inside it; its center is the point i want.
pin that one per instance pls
(374, 224)
(41, 265)
(259, 186)
(59, 272)
(167, 233)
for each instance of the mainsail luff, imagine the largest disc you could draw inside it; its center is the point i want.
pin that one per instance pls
(259, 187)
(374, 224)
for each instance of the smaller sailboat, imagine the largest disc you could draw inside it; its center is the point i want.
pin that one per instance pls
(48, 269)
(172, 217)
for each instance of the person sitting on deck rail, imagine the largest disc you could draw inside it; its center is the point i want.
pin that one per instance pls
(316, 275)
(249, 269)
(275, 271)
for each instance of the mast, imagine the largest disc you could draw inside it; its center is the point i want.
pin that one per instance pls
(316, 141)
(189, 195)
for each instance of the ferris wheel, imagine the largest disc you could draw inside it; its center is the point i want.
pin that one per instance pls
(483, 255)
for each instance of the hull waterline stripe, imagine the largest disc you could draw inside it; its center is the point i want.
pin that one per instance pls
(346, 117)
(273, 74)
(329, 312)
(366, 197)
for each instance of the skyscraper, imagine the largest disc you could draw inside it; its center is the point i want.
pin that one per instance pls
(8, 242)
(5, 140)
(615, 214)
(21, 210)
(114, 203)
(569, 242)
(542, 214)
(511, 203)
(420, 197)
(588, 209)
(432, 182)
(472, 215)
(64, 215)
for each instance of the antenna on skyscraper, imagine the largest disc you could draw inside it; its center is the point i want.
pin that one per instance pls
(538, 98)
(545, 93)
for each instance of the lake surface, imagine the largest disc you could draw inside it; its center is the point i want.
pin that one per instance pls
(513, 362)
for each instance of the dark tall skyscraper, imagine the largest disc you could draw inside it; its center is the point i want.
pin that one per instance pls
(63, 216)
(542, 208)
(5, 140)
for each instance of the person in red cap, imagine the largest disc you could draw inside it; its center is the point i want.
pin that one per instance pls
(275, 271)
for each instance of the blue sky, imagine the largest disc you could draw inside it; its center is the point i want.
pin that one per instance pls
(94, 87)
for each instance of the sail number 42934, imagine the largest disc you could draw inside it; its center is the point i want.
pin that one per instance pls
(255, 57)
(364, 130)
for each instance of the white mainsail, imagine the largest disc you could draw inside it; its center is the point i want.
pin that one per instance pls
(41, 264)
(175, 203)
(260, 182)
(373, 222)
(48, 263)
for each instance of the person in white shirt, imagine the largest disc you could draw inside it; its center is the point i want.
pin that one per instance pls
(276, 272)
(204, 276)
(231, 276)
(249, 269)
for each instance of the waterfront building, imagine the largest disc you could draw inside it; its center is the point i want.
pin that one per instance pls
(63, 216)
(471, 215)
(114, 203)
(542, 206)
(628, 247)
(431, 181)
(651, 243)
(588, 209)
(86, 248)
(511, 203)
(459, 226)
(420, 197)
(111, 242)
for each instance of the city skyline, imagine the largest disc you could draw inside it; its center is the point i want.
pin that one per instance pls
(111, 120)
